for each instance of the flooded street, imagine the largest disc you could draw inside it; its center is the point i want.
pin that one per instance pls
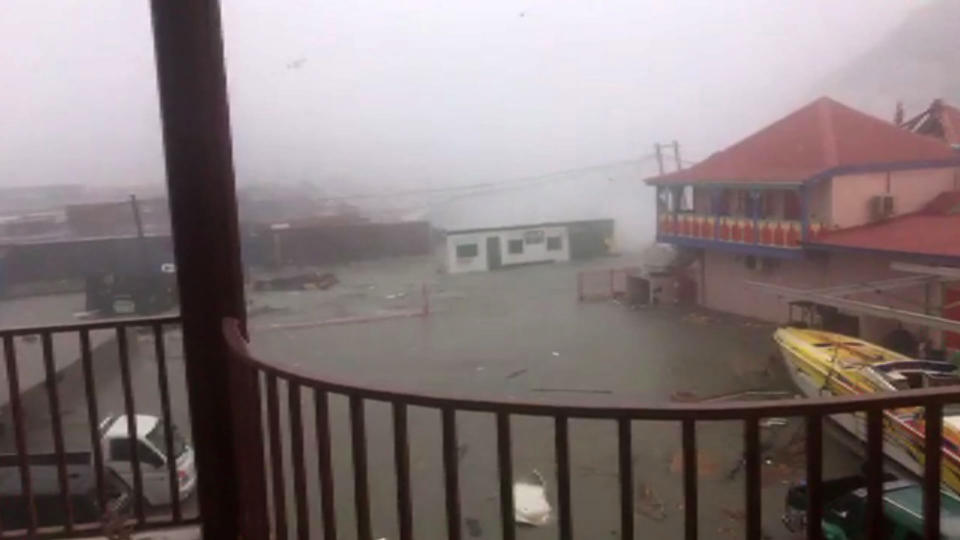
(521, 335)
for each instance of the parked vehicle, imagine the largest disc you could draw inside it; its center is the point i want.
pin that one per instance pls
(48, 501)
(151, 445)
(844, 511)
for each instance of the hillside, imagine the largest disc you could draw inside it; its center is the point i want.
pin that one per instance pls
(918, 61)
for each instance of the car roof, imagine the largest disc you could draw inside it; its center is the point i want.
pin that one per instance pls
(116, 426)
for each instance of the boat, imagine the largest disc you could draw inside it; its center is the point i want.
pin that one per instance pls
(826, 364)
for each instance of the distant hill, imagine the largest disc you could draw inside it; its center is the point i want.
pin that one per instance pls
(917, 62)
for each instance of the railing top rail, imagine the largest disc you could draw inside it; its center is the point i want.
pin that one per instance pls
(634, 410)
(102, 324)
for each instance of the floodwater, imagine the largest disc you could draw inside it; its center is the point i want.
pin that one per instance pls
(520, 334)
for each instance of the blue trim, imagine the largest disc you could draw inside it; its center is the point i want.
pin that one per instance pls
(884, 167)
(918, 257)
(734, 247)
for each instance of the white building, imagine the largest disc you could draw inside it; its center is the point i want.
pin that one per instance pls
(473, 250)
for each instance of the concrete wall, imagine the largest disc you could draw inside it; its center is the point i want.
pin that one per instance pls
(724, 274)
(532, 252)
(912, 190)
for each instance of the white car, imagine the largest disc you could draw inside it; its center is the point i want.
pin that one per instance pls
(151, 449)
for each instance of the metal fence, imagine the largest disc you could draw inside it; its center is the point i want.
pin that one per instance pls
(603, 284)
(38, 507)
(284, 504)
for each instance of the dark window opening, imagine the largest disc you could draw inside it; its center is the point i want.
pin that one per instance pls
(515, 247)
(554, 243)
(465, 251)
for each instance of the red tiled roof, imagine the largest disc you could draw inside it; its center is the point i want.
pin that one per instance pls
(933, 231)
(814, 139)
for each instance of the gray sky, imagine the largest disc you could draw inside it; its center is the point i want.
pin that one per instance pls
(420, 92)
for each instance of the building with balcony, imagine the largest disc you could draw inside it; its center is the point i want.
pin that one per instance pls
(823, 197)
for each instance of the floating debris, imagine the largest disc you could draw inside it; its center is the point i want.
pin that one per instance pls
(298, 282)
(517, 373)
(530, 500)
(474, 529)
(706, 465)
(573, 390)
(556, 353)
(649, 504)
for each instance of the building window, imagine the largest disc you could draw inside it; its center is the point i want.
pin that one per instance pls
(515, 247)
(554, 243)
(533, 237)
(466, 251)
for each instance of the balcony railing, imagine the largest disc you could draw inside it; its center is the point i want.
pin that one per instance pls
(289, 509)
(774, 233)
(75, 367)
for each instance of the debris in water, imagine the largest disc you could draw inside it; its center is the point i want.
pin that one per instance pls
(684, 396)
(556, 353)
(697, 318)
(649, 504)
(396, 296)
(773, 422)
(573, 390)
(706, 465)
(517, 373)
(530, 500)
(734, 514)
(305, 281)
(473, 528)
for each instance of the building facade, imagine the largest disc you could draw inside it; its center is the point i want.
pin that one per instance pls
(824, 197)
(473, 250)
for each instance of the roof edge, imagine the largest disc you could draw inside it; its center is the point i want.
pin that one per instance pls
(826, 173)
(913, 255)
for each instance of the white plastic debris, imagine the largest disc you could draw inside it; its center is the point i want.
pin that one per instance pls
(773, 422)
(556, 353)
(530, 505)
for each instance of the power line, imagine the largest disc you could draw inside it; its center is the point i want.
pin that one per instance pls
(486, 187)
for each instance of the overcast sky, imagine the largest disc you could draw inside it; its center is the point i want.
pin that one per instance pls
(410, 93)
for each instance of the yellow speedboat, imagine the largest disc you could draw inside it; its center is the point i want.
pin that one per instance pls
(828, 364)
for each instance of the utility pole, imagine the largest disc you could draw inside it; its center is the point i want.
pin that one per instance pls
(136, 215)
(658, 152)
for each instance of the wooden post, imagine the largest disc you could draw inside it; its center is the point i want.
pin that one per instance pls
(203, 209)
(676, 155)
(657, 152)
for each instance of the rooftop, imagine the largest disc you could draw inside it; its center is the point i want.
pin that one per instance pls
(932, 232)
(822, 138)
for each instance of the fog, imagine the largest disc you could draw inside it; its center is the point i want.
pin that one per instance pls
(356, 97)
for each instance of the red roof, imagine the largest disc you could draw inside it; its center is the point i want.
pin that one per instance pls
(820, 137)
(934, 231)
